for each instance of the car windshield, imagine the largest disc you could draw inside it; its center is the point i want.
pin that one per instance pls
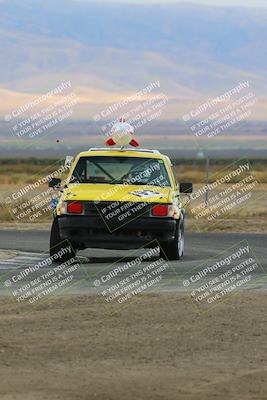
(120, 170)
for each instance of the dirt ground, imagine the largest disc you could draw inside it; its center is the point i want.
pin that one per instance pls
(159, 347)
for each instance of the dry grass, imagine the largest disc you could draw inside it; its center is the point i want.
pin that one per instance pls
(197, 174)
(13, 176)
(21, 174)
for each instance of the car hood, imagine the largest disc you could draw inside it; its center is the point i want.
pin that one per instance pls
(107, 192)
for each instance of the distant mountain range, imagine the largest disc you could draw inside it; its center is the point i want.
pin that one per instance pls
(108, 50)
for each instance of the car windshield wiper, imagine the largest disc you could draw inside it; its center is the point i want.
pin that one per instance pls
(98, 182)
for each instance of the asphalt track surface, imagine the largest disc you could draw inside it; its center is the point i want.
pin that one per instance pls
(92, 276)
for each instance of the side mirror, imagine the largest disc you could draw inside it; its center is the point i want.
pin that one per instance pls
(54, 183)
(186, 187)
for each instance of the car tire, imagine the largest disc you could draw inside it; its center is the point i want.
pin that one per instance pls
(57, 245)
(175, 249)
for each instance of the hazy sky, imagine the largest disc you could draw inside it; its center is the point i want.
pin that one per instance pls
(242, 3)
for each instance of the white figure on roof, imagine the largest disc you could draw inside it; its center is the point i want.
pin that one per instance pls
(122, 135)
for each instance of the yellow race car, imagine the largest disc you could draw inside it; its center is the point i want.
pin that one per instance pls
(120, 199)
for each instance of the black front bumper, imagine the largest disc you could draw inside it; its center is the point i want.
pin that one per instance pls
(90, 231)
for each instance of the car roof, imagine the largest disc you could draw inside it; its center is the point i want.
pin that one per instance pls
(122, 153)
